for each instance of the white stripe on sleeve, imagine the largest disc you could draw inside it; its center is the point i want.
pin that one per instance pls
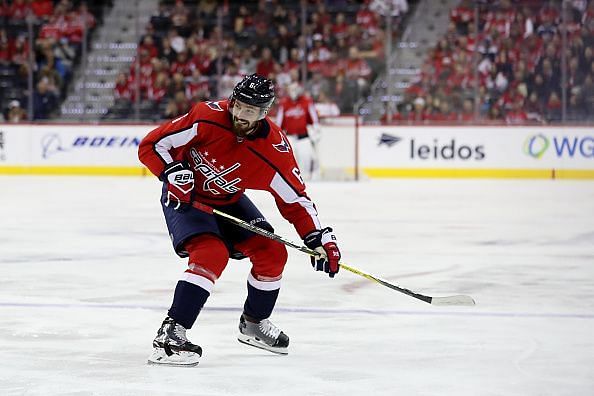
(178, 139)
(288, 195)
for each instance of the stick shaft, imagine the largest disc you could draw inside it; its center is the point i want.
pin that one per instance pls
(453, 300)
(383, 282)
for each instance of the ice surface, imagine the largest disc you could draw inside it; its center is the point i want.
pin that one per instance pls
(87, 273)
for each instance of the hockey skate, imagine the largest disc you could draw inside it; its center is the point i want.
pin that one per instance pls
(263, 335)
(172, 348)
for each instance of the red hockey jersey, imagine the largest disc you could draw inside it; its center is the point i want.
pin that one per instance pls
(294, 116)
(225, 165)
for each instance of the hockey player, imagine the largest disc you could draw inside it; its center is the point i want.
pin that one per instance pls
(297, 116)
(212, 155)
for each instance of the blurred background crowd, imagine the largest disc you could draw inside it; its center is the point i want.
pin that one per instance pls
(388, 61)
(527, 56)
(41, 43)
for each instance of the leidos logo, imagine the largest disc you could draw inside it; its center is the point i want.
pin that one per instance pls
(535, 146)
(451, 150)
(562, 146)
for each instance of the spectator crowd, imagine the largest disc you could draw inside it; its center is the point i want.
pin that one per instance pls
(196, 50)
(508, 67)
(55, 48)
(518, 53)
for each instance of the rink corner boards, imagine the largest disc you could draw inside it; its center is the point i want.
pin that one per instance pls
(373, 173)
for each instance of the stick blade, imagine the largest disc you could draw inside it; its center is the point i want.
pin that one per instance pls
(453, 300)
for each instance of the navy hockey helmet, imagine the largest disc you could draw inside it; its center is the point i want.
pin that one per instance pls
(254, 90)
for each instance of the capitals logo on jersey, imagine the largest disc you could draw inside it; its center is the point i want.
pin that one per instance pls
(214, 175)
(224, 168)
(295, 112)
(283, 146)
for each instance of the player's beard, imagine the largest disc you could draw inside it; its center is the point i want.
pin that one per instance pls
(243, 128)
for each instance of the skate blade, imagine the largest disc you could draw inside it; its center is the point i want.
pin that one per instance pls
(247, 340)
(180, 359)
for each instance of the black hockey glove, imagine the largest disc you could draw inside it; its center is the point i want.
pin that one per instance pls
(324, 243)
(180, 185)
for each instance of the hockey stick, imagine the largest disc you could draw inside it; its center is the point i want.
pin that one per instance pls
(449, 300)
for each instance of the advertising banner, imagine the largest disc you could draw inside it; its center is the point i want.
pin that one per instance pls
(508, 151)
(82, 145)
(107, 149)
(381, 151)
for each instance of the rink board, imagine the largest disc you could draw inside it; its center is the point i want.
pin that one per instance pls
(477, 152)
(382, 151)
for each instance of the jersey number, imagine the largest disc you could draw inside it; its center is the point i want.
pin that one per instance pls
(298, 175)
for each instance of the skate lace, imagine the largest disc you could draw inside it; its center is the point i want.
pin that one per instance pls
(269, 329)
(180, 332)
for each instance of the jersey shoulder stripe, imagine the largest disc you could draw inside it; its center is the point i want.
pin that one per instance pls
(173, 139)
(278, 171)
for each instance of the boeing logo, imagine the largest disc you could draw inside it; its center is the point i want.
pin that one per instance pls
(106, 141)
(52, 144)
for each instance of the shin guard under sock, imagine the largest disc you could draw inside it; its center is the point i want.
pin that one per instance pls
(188, 300)
(260, 303)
